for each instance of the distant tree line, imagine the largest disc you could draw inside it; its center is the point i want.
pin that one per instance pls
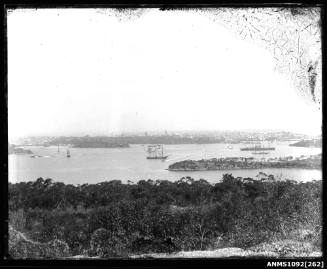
(146, 139)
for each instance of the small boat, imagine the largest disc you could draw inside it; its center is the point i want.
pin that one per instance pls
(230, 147)
(36, 156)
(68, 153)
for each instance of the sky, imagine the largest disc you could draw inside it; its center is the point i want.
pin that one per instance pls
(80, 72)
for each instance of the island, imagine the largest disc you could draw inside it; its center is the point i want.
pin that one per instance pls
(88, 142)
(234, 163)
(312, 143)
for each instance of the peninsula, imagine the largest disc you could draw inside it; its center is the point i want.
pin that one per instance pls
(13, 149)
(313, 143)
(234, 163)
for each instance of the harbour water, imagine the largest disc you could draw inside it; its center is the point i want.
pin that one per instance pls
(93, 165)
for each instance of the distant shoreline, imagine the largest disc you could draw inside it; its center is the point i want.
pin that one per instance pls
(98, 146)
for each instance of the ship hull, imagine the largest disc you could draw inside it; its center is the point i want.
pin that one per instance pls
(257, 149)
(157, 158)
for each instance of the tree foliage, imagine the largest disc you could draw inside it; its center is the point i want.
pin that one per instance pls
(114, 219)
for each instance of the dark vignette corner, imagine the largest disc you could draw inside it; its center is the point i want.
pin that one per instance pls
(4, 144)
(323, 105)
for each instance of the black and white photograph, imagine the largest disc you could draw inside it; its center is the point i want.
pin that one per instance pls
(164, 133)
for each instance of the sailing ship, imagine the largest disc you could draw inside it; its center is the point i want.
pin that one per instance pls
(258, 146)
(68, 153)
(156, 152)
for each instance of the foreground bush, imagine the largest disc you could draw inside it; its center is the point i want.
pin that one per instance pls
(112, 219)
